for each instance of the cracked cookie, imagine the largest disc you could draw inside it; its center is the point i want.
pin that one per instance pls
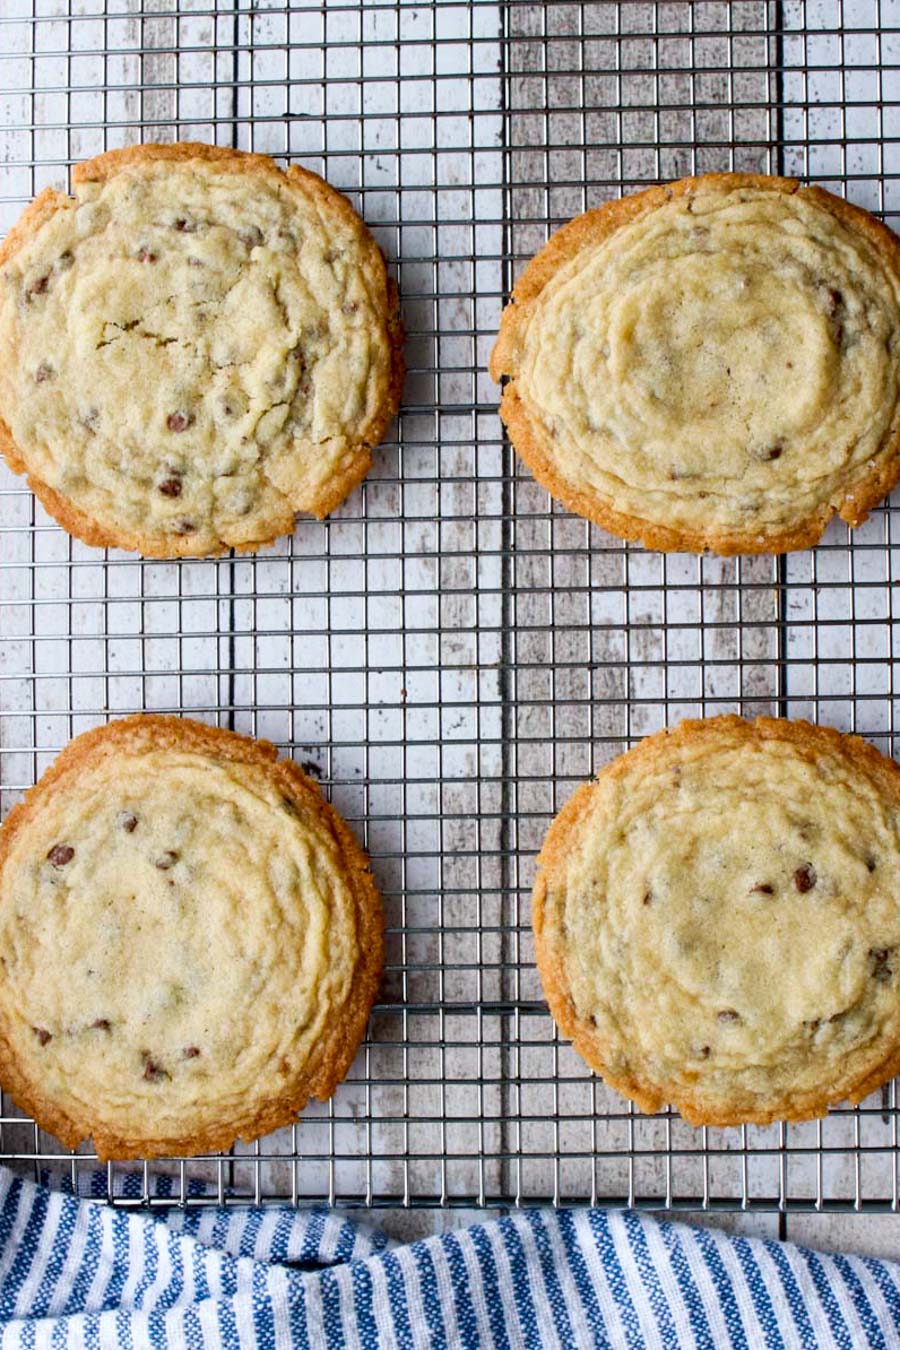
(717, 922)
(193, 349)
(190, 941)
(712, 365)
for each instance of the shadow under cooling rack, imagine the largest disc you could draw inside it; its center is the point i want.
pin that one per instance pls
(450, 654)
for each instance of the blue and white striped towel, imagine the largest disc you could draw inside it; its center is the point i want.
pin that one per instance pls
(77, 1273)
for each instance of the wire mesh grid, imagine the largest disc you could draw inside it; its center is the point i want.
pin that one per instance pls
(450, 653)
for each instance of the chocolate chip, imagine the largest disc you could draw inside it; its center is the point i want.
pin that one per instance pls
(728, 1015)
(705, 1051)
(145, 255)
(60, 854)
(333, 254)
(350, 308)
(153, 1072)
(805, 878)
(770, 453)
(100, 1024)
(879, 956)
(185, 226)
(186, 527)
(762, 888)
(127, 821)
(43, 372)
(167, 860)
(252, 237)
(179, 421)
(833, 300)
(65, 260)
(38, 287)
(871, 863)
(42, 1035)
(191, 1051)
(171, 487)
(813, 1024)
(648, 898)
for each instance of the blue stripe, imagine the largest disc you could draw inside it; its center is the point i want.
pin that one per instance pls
(346, 1242)
(119, 1225)
(466, 1317)
(830, 1305)
(523, 1284)
(431, 1302)
(27, 1336)
(864, 1310)
(25, 1255)
(228, 1331)
(537, 1221)
(332, 1315)
(759, 1294)
(312, 1243)
(193, 1331)
(366, 1326)
(279, 1243)
(250, 1232)
(492, 1297)
(599, 1224)
(123, 1330)
(792, 1294)
(724, 1288)
(700, 1328)
(637, 1240)
(397, 1301)
(56, 1258)
(297, 1312)
(175, 1288)
(92, 1332)
(888, 1287)
(151, 1263)
(200, 1262)
(579, 1272)
(263, 1310)
(90, 1260)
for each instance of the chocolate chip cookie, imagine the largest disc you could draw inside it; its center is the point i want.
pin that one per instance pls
(193, 348)
(712, 365)
(190, 941)
(717, 920)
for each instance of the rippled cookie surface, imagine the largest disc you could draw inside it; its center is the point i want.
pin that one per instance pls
(717, 920)
(712, 365)
(190, 941)
(193, 348)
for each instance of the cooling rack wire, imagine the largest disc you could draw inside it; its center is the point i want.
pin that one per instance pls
(449, 653)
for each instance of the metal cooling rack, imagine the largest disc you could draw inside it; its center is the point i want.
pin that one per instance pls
(450, 653)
